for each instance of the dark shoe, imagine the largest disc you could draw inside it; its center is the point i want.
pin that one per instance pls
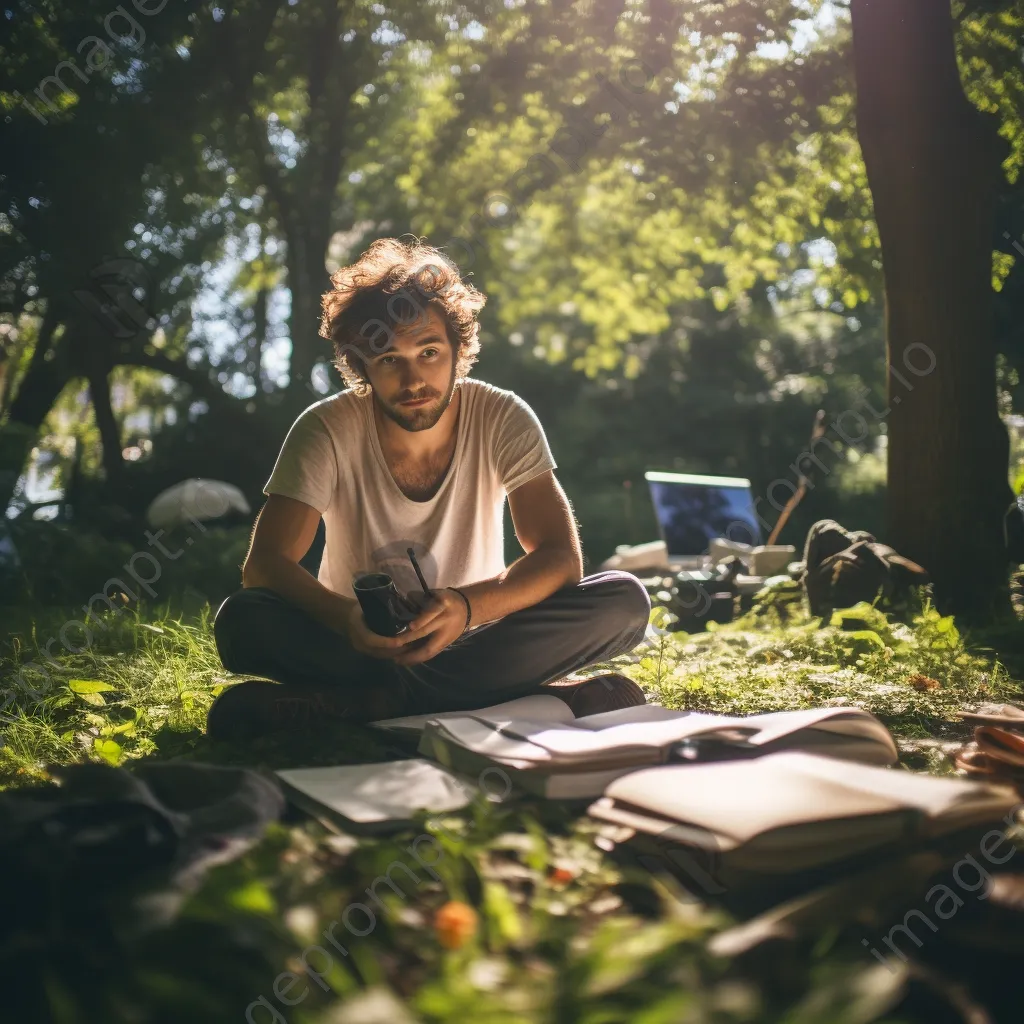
(609, 691)
(258, 707)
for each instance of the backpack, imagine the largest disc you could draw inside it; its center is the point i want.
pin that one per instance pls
(843, 567)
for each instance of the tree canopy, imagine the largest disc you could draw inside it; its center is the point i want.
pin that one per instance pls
(649, 194)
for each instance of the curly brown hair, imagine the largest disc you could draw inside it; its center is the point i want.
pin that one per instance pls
(383, 288)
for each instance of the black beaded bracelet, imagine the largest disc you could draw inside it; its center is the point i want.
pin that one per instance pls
(469, 610)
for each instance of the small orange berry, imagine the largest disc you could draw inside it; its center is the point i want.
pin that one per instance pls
(561, 876)
(455, 923)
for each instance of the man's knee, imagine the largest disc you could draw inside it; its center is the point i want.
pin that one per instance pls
(621, 602)
(236, 623)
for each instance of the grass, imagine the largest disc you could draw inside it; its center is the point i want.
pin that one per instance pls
(563, 931)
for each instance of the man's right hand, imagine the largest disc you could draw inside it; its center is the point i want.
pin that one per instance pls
(364, 640)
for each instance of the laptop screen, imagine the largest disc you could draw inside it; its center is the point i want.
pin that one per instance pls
(693, 510)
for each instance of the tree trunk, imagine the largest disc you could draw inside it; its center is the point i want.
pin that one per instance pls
(307, 281)
(9, 370)
(933, 163)
(110, 432)
(258, 338)
(38, 391)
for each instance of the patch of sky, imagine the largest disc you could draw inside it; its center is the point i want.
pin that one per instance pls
(129, 80)
(217, 302)
(821, 20)
(284, 141)
(387, 34)
(821, 251)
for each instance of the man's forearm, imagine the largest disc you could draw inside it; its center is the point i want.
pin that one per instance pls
(291, 581)
(526, 581)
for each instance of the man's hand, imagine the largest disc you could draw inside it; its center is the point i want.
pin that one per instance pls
(442, 619)
(364, 640)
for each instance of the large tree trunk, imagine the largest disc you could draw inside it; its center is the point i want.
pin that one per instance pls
(933, 162)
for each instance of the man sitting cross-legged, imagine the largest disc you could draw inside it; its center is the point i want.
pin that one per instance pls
(416, 454)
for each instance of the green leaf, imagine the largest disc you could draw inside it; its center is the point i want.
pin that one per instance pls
(501, 913)
(90, 690)
(254, 898)
(124, 729)
(81, 686)
(109, 750)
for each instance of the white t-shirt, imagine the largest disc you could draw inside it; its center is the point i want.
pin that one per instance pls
(332, 460)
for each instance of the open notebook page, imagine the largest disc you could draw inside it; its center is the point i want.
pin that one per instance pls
(568, 744)
(845, 721)
(483, 738)
(652, 725)
(956, 801)
(538, 707)
(623, 716)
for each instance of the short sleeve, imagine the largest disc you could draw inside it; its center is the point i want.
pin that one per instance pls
(521, 448)
(307, 467)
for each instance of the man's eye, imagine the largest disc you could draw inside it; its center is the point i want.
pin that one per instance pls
(429, 352)
(387, 360)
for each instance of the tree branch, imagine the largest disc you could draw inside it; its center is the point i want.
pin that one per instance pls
(195, 379)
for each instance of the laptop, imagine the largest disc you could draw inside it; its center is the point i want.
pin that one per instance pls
(693, 509)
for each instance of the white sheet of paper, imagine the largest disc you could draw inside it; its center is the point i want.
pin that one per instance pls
(392, 790)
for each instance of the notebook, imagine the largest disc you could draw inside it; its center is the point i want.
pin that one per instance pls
(538, 707)
(372, 798)
(578, 758)
(792, 811)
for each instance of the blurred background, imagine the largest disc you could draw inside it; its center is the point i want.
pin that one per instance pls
(676, 241)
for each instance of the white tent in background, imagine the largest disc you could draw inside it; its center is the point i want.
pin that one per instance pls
(196, 499)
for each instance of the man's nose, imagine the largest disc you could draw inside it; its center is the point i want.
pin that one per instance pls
(411, 378)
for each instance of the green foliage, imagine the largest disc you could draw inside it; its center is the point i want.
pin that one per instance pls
(915, 677)
(564, 933)
(63, 564)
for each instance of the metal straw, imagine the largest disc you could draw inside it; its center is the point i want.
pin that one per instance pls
(419, 574)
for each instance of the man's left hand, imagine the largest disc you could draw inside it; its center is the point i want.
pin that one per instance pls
(444, 617)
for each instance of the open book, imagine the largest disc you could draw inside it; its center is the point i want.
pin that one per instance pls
(371, 798)
(537, 707)
(793, 811)
(579, 757)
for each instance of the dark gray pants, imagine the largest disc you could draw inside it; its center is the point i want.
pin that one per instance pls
(260, 633)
